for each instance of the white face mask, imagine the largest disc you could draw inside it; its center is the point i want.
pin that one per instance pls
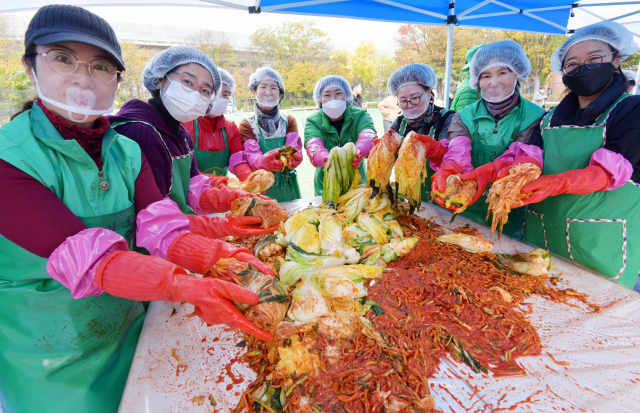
(184, 106)
(219, 107)
(78, 101)
(500, 99)
(334, 108)
(267, 101)
(416, 111)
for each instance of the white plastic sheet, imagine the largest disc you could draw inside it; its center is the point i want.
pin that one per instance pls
(180, 361)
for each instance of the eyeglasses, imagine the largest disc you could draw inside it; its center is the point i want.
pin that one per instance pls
(590, 63)
(65, 63)
(190, 84)
(413, 102)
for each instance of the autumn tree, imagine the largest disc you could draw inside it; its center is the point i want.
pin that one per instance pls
(366, 65)
(135, 58)
(340, 63)
(539, 48)
(216, 45)
(291, 43)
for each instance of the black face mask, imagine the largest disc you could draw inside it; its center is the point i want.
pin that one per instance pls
(589, 82)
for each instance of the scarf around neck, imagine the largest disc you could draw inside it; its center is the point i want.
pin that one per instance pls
(270, 121)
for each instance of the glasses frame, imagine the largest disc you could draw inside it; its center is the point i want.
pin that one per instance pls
(199, 88)
(406, 102)
(564, 68)
(115, 75)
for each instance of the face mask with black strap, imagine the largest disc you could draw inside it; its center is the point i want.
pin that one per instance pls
(589, 82)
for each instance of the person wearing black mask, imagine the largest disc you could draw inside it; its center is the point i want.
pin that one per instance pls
(585, 204)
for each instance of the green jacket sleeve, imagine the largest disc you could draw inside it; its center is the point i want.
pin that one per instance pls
(311, 129)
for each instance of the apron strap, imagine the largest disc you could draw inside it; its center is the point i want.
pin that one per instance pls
(196, 133)
(224, 136)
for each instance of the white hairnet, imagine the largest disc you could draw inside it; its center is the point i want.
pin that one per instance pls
(503, 53)
(227, 79)
(265, 73)
(332, 81)
(630, 74)
(419, 73)
(167, 60)
(614, 34)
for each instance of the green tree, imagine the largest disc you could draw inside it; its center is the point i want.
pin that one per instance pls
(539, 48)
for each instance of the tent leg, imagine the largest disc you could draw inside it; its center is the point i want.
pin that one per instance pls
(635, 88)
(447, 78)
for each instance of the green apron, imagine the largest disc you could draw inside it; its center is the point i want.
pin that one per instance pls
(59, 354)
(318, 177)
(212, 162)
(286, 186)
(180, 171)
(589, 229)
(491, 141)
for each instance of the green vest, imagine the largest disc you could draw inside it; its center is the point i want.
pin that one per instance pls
(598, 230)
(211, 162)
(332, 138)
(490, 140)
(59, 354)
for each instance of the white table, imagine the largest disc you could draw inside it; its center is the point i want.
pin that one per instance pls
(602, 349)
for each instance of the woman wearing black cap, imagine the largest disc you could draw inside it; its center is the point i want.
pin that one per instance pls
(74, 193)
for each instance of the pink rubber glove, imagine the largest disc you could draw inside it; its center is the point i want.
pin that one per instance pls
(518, 149)
(197, 186)
(158, 225)
(318, 154)
(257, 160)
(366, 137)
(139, 277)
(459, 152)
(75, 261)
(617, 165)
(293, 139)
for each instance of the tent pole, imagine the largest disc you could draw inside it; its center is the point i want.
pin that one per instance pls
(635, 88)
(447, 77)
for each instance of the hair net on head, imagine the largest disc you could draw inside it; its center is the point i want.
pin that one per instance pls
(227, 79)
(265, 73)
(630, 74)
(503, 53)
(419, 73)
(614, 34)
(167, 60)
(332, 81)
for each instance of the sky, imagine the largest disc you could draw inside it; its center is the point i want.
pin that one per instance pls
(343, 33)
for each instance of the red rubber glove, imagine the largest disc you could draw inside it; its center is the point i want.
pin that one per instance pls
(297, 159)
(357, 159)
(220, 199)
(198, 254)
(134, 276)
(485, 174)
(242, 171)
(435, 149)
(591, 179)
(524, 159)
(217, 181)
(439, 181)
(271, 161)
(220, 227)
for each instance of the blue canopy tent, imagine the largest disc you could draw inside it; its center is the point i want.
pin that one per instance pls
(536, 16)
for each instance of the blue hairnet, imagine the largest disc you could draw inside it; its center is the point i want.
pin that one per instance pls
(419, 73)
(265, 73)
(332, 81)
(614, 34)
(503, 53)
(167, 60)
(227, 79)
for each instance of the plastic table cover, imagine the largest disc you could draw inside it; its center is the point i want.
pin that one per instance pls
(590, 361)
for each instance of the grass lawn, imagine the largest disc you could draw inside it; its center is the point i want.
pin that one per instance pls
(306, 170)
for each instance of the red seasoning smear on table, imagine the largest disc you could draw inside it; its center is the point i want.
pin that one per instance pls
(431, 308)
